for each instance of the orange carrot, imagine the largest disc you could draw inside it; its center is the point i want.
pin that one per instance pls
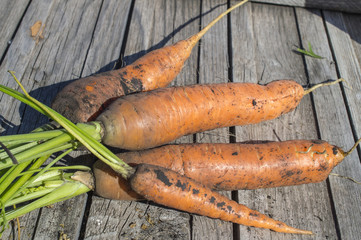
(109, 184)
(171, 189)
(150, 119)
(83, 99)
(231, 166)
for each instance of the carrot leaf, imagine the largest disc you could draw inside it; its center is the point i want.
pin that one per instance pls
(309, 52)
(22, 155)
(95, 147)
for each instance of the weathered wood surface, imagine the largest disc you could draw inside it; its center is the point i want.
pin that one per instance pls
(353, 6)
(10, 14)
(274, 26)
(254, 44)
(153, 25)
(213, 68)
(348, 66)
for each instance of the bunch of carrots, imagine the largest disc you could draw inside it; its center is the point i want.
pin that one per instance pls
(184, 176)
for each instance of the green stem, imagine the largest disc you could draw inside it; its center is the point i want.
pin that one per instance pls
(66, 191)
(43, 177)
(12, 176)
(18, 149)
(89, 142)
(39, 149)
(53, 183)
(50, 182)
(34, 178)
(73, 167)
(21, 181)
(59, 143)
(60, 175)
(5, 175)
(29, 137)
(52, 143)
(29, 196)
(82, 136)
(46, 127)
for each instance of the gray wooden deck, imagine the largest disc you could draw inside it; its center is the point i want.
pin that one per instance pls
(254, 44)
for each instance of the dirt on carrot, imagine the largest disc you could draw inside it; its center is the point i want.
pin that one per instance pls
(84, 99)
(150, 119)
(171, 189)
(230, 166)
(234, 166)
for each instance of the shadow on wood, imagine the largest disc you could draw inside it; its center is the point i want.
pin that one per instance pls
(47, 94)
(353, 6)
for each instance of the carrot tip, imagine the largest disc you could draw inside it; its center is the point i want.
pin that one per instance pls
(299, 231)
(345, 154)
(306, 232)
(284, 228)
(323, 84)
(296, 231)
(206, 28)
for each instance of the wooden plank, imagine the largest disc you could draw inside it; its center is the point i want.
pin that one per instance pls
(103, 51)
(11, 12)
(346, 46)
(353, 6)
(109, 219)
(17, 59)
(213, 68)
(263, 37)
(57, 57)
(27, 227)
(153, 25)
(46, 65)
(346, 194)
(352, 22)
(108, 37)
(331, 114)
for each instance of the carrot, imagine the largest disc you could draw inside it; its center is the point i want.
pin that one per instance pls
(109, 184)
(150, 119)
(230, 166)
(83, 99)
(171, 189)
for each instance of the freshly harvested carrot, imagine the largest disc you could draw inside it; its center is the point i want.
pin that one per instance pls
(109, 184)
(171, 189)
(83, 99)
(231, 166)
(150, 119)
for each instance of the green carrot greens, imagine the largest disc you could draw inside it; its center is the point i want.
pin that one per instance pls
(23, 176)
(308, 52)
(75, 134)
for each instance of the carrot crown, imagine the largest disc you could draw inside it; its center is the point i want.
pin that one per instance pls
(21, 177)
(70, 137)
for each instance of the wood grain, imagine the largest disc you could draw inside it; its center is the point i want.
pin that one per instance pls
(267, 36)
(11, 13)
(213, 68)
(17, 59)
(146, 33)
(345, 123)
(353, 6)
(60, 58)
(85, 37)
